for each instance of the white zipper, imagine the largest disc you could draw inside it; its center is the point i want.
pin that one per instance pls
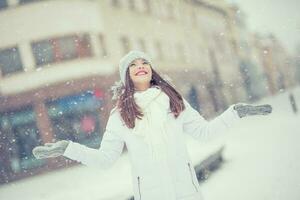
(139, 187)
(192, 176)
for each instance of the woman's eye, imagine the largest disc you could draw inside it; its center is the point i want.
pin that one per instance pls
(132, 65)
(145, 63)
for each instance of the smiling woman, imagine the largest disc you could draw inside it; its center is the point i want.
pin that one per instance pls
(140, 73)
(137, 75)
(151, 118)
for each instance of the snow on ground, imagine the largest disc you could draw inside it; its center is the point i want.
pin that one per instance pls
(262, 157)
(261, 162)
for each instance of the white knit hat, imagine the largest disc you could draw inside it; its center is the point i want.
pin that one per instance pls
(127, 59)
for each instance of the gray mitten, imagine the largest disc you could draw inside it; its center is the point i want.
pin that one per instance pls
(50, 149)
(247, 109)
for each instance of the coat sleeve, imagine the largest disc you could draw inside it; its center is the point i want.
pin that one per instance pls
(201, 129)
(110, 148)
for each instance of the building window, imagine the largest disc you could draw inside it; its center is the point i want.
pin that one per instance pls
(67, 48)
(160, 10)
(180, 52)
(61, 49)
(43, 52)
(83, 44)
(159, 50)
(142, 45)
(193, 98)
(219, 42)
(27, 1)
(3, 4)
(103, 46)
(125, 44)
(170, 10)
(115, 3)
(131, 4)
(203, 55)
(10, 61)
(147, 6)
(194, 18)
(76, 117)
(20, 135)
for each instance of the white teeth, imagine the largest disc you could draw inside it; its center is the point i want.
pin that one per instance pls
(141, 73)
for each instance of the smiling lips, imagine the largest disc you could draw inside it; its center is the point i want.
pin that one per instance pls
(141, 72)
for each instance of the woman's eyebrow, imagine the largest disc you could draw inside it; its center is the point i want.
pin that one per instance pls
(143, 60)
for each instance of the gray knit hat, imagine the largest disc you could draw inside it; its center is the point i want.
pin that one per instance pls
(127, 59)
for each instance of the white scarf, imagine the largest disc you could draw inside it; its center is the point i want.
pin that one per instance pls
(155, 106)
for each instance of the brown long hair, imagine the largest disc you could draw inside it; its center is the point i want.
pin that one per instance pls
(128, 108)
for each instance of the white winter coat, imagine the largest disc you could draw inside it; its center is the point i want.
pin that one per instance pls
(173, 176)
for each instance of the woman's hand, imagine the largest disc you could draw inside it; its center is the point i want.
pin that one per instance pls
(247, 109)
(50, 149)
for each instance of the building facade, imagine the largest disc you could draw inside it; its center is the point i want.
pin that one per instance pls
(277, 64)
(250, 67)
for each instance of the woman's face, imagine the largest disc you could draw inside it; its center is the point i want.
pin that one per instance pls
(140, 73)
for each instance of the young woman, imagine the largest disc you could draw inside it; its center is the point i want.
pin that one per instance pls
(151, 118)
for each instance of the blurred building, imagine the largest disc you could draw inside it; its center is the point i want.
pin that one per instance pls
(54, 77)
(296, 64)
(59, 58)
(250, 66)
(277, 64)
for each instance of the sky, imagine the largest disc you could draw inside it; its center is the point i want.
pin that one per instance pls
(281, 17)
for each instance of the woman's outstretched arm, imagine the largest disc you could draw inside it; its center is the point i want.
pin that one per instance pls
(110, 148)
(202, 129)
